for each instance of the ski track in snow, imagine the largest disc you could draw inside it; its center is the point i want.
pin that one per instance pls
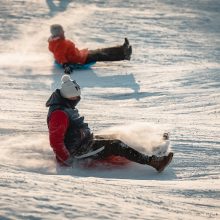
(171, 84)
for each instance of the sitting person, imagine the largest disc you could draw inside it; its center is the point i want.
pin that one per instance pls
(65, 52)
(71, 138)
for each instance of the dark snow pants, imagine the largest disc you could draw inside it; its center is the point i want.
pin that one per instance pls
(106, 54)
(118, 148)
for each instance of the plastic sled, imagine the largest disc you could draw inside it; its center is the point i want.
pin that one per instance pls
(76, 66)
(110, 162)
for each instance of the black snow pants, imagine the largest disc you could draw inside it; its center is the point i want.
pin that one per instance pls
(116, 53)
(117, 148)
(106, 54)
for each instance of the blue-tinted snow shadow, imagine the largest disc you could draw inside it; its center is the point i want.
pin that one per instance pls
(89, 79)
(123, 96)
(133, 171)
(57, 6)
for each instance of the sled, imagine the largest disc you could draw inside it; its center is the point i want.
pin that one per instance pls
(110, 162)
(75, 66)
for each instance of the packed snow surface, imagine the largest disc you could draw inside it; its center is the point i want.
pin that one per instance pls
(171, 84)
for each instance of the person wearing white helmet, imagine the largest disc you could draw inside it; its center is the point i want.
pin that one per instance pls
(71, 138)
(66, 53)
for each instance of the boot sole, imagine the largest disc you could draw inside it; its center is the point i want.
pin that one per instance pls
(128, 56)
(170, 155)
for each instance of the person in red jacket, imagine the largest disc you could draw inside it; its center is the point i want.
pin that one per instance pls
(71, 138)
(66, 53)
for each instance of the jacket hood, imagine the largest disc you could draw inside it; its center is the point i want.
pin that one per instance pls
(57, 99)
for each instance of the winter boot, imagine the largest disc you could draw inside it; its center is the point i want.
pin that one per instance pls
(126, 43)
(159, 163)
(127, 50)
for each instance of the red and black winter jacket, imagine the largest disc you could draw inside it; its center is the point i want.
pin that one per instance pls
(67, 129)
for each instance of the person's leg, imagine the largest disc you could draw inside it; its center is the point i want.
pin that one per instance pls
(116, 53)
(118, 148)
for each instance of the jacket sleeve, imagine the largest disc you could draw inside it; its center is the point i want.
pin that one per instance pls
(59, 50)
(61, 55)
(76, 55)
(58, 124)
(63, 51)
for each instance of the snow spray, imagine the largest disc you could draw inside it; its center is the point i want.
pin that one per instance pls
(143, 137)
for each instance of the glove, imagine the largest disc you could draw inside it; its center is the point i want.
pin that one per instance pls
(86, 138)
(86, 133)
(84, 148)
(67, 68)
(69, 161)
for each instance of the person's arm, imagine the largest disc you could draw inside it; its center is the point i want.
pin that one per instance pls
(59, 49)
(58, 124)
(78, 56)
(61, 56)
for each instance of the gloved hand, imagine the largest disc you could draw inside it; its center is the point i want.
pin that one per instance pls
(67, 68)
(69, 161)
(86, 143)
(86, 133)
(86, 138)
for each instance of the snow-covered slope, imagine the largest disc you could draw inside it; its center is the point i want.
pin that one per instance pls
(171, 84)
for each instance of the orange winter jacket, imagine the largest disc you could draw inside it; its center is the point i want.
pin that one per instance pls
(64, 51)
